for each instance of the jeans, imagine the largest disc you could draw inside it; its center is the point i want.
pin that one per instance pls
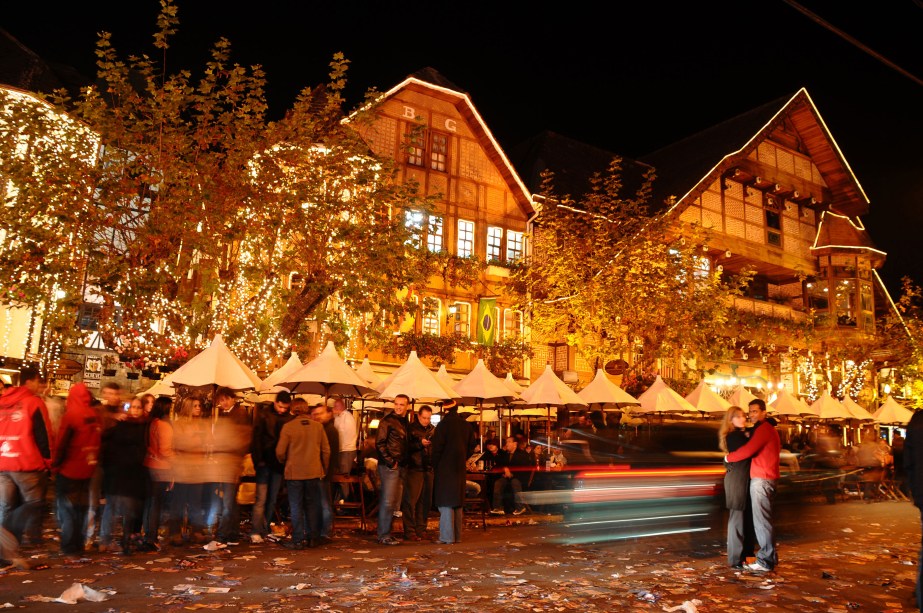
(72, 497)
(186, 499)
(228, 511)
(96, 492)
(761, 494)
(450, 524)
(268, 484)
(418, 498)
(153, 508)
(326, 509)
(500, 486)
(304, 503)
(391, 482)
(124, 506)
(27, 487)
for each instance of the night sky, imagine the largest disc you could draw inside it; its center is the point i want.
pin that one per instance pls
(630, 77)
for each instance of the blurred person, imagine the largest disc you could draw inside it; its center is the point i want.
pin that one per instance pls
(391, 442)
(228, 444)
(54, 405)
(870, 456)
(345, 425)
(418, 489)
(305, 451)
(159, 463)
(25, 457)
(913, 468)
(763, 448)
(75, 461)
(450, 443)
(147, 402)
(732, 435)
(111, 411)
(897, 452)
(269, 471)
(190, 439)
(124, 479)
(512, 458)
(558, 460)
(322, 415)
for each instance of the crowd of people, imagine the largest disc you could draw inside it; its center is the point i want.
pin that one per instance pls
(142, 473)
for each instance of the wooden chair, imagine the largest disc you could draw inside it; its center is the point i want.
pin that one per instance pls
(350, 506)
(479, 502)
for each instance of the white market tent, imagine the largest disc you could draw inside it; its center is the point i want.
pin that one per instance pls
(164, 387)
(828, 407)
(216, 365)
(365, 371)
(549, 391)
(856, 410)
(291, 366)
(704, 399)
(741, 397)
(787, 404)
(891, 412)
(414, 379)
(604, 392)
(660, 398)
(327, 375)
(510, 382)
(481, 385)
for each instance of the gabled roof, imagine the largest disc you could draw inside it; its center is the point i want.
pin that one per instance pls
(687, 167)
(836, 232)
(444, 90)
(573, 163)
(22, 68)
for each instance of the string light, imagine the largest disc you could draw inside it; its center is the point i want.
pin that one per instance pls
(853, 379)
(806, 369)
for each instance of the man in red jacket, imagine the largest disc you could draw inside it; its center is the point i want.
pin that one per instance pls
(75, 461)
(25, 456)
(763, 447)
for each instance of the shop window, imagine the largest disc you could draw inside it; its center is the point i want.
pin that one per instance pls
(465, 238)
(494, 243)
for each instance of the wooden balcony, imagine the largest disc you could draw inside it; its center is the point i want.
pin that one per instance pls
(770, 309)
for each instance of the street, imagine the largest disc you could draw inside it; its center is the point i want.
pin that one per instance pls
(842, 557)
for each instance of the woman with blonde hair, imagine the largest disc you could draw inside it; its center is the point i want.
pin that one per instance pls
(190, 446)
(741, 535)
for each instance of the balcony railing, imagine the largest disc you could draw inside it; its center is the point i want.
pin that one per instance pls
(770, 309)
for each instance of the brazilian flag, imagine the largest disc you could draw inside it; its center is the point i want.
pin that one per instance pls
(487, 326)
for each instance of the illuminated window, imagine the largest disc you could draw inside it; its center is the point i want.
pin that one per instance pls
(413, 220)
(430, 318)
(494, 243)
(465, 238)
(439, 150)
(773, 229)
(460, 318)
(434, 234)
(515, 243)
(512, 324)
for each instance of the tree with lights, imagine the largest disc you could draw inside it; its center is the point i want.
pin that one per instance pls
(200, 215)
(901, 335)
(613, 278)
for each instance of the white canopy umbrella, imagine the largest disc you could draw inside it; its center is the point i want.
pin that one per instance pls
(216, 365)
(856, 410)
(706, 400)
(325, 375)
(279, 375)
(660, 398)
(415, 380)
(787, 404)
(445, 378)
(828, 407)
(891, 412)
(549, 391)
(510, 382)
(482, 416)
(365, 371)
(479, 385)
(741, 397)
(164, 387)
(603, 391)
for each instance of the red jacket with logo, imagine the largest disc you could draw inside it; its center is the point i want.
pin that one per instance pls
(25, 442)
(77, 451)
(763, 447)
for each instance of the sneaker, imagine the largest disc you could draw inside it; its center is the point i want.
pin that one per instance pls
(398, 514)
(519, 511)
(758, 567)
(388, 540)
(256, 539)
(497, 512)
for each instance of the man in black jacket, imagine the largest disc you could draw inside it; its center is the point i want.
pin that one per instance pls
(418, 490)
(393, 452)
(269, 470)
(913, 468)
(513, 461)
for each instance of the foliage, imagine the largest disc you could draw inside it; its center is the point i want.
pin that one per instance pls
(901, 335)
(201, 210)
(504, 356)
(438, 349)
(608, 275)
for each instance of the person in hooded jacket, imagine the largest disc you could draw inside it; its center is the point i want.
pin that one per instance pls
(25, 457)
(75, 460)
